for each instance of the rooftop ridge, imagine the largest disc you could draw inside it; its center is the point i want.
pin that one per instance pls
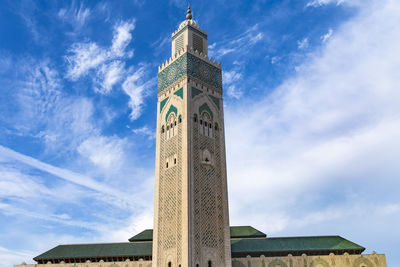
(190, 50)
(85, 244)
(191, 23)
(305, 236)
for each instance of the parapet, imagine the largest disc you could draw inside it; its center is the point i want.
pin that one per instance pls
(190, 50)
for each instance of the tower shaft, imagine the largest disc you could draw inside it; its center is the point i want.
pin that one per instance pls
(191, 220)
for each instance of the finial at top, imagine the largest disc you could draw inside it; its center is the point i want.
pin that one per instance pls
(189, 13)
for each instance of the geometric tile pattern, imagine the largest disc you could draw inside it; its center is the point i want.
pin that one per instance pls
(188, 64)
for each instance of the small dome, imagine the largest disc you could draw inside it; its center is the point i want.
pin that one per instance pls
(190, 22)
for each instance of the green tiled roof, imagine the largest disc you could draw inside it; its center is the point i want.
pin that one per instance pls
(306, 243)
(98, 250)
(245, 232)
(146, 235)
(245, 240)
(236, 232)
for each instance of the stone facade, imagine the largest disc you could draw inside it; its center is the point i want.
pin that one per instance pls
(346, 260)
(191, 223)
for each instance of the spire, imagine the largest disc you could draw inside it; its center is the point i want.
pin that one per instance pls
(189, 13)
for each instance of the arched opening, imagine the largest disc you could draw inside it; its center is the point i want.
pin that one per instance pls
(206, 123)
(169, 264)
(180, 119)
(216, 126)
(195, 118)
(209, 264)
(162, 129)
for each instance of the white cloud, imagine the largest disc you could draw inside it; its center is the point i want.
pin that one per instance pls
(110, 74)
(104, 152)
(121, 39)
(326, 36)
(65, 174)
(315, 3)
(329, 132)
(77, 16)
(151, 134)
(230, 77)
(234, 92)
(136, 87)
(303, 44)
(11, 257)
(241, 42)
(109, 67)
(84, 57)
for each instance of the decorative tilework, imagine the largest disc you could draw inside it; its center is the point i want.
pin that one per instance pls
(215, 100)
(172, 73)
(205, 107)
(196, 92)
(179, 93)
(188, 64)
(204, 71)
(193, 29)
(172, 108)
(162, 104)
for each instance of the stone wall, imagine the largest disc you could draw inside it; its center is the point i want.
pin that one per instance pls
(346, 260)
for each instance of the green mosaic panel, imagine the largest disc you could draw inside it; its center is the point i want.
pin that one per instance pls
(162, 104)
(215, 100)
(193, 29)
(187, 64)
(196, 92)
(179, 93)
(205, 107)
(172, 73)
(204, 71)
(172, 108)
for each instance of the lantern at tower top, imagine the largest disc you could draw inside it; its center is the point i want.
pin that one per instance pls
(189, 35)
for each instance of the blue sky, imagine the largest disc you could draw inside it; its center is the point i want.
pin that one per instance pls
(311, 90)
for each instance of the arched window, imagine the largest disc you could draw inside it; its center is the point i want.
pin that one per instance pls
(169, 264)
(209, 264)
(197, 265)
(201, 122)
(216, 126)
(162, 129)
(195, 118)
(167, 165)
(175, 123)
(180, 119)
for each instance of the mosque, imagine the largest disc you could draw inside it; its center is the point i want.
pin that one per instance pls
(191, 218)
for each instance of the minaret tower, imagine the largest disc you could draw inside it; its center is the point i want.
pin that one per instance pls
(191, 220)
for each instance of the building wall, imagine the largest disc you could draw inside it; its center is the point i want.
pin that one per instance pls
(346, 260)
(209, 202)
(171, 198)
